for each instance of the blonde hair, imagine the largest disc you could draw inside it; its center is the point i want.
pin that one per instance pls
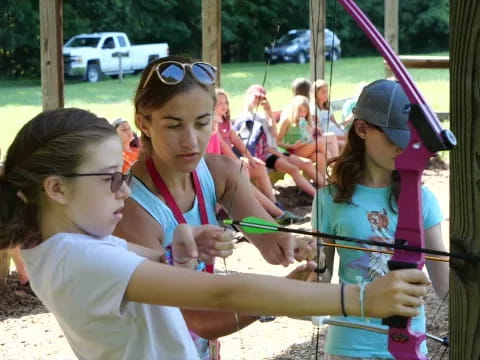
(316, 86)
(298, 100)
(220, 91)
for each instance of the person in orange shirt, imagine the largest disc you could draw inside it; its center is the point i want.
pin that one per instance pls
(130, 143)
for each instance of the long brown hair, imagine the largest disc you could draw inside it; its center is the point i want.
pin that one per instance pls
(52, 143)
(156, 94)
(348, 168)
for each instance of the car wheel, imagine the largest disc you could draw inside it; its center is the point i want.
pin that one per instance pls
(335, 55)
(93, 73)
(301, 58)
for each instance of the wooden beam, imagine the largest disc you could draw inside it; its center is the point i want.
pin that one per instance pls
(464, 301)
(51, 53)
(317, 39)
(391, 28)
(212, 34)
(426, 62)
(4, 265)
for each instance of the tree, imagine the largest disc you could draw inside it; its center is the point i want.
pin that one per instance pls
(464, 310)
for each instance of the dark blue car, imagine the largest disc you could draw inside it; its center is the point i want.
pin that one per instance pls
(294, 46)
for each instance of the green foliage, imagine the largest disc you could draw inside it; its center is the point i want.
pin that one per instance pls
(423, 26)
(19, 38)
(247, 26)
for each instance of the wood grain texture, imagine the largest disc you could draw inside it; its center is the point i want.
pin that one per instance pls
(464, 312)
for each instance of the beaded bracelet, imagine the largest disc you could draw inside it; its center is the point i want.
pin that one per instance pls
(170, 261)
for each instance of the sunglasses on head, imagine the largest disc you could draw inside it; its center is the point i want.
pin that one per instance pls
(116, 179)
(173, 72)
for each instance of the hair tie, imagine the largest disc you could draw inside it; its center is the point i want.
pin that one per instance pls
(22, 196)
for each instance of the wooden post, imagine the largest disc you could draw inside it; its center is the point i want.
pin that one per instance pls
(464, 303)
(317, 39)
(51, 53)
(212, 34)
(391, 29)
(4, 265)
(120, 55)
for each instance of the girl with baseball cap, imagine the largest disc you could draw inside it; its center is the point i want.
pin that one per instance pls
(365, 188)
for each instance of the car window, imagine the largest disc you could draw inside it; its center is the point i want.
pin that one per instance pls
(121, 41)
(109, 43)
(83, 42)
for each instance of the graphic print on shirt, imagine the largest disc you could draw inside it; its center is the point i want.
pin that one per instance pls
(379, 224)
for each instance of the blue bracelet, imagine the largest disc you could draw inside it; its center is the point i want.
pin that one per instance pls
(342, 299)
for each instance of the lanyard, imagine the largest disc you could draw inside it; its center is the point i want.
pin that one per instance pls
(170, 201)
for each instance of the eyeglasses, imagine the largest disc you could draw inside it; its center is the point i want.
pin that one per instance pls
(173, 72)
(116, 179)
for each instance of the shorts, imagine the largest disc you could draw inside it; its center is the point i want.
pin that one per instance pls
(272, 159)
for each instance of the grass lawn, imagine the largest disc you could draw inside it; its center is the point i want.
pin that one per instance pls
(20, 100)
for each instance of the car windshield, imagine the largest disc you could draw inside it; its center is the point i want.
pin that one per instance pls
(288, 38)
(83, 42)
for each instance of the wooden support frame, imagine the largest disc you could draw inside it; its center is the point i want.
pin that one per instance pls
(391, 28)
(317, 36)
(212, 34)
(51, 53)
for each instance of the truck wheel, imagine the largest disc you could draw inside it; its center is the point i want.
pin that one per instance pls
(93, 73)
(301, 58)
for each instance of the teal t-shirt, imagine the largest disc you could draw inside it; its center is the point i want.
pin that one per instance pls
(369, 216)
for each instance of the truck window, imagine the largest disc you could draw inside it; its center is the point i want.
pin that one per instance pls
(121, 41)
(83, 42)
(109, 43)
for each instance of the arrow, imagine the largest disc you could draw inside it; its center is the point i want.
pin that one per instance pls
(254, 225)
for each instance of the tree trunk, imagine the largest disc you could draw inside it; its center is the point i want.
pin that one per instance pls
(464, 307)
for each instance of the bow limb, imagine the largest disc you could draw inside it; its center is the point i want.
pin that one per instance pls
(427, 137)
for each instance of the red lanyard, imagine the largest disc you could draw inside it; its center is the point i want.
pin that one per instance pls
(170, 201)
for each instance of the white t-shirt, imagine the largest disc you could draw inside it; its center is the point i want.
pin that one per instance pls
(261, 118)
(82, 281)
(324, 123)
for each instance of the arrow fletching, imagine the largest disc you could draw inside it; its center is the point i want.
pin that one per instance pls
(254, 225)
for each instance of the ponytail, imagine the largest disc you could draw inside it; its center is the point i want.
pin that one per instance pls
(18, 223)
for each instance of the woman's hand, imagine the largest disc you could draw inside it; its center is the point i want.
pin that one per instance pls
(252, 161)
(399, 292)
(304, 272)
(200, 243)
(306, 249)
(213, 241)
(184, 247)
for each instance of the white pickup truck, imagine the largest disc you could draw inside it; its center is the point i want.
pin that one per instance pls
(91, 55)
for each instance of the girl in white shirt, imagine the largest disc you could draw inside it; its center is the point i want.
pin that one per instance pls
(61, 194)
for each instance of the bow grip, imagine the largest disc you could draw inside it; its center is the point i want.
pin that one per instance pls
(396, 321)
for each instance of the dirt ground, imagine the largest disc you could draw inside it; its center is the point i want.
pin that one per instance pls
(29, 332)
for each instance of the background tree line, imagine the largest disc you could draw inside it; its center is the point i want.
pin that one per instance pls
(247, 26)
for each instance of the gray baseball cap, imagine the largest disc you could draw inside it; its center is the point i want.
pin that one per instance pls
(383, 103)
